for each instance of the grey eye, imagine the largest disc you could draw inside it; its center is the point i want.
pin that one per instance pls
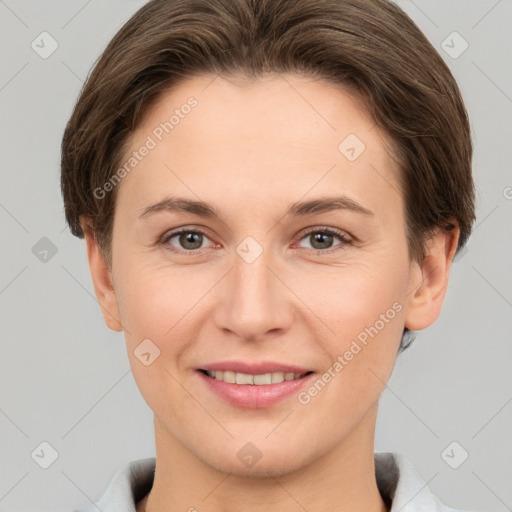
(188, 240)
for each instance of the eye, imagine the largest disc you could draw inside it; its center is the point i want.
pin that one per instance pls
(322, 239)
(188, 239)
(191, 240)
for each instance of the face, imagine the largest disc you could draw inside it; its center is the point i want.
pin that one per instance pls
(269, 279)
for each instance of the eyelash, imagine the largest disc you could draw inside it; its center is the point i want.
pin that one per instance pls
(331, 231)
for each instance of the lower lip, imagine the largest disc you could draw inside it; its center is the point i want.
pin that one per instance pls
(254, 396)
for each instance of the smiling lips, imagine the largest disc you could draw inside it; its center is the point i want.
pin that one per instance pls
(256, 380)
(238, 372)
(252, 385)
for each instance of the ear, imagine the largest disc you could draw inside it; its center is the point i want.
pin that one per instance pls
(102, 280)
(429, 280)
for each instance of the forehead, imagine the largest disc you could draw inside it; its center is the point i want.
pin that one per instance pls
(286, 133)
(289, 106)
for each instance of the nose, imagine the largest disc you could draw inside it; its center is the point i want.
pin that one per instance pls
(254, 301)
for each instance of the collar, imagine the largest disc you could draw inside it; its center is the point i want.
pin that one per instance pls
(399, 483)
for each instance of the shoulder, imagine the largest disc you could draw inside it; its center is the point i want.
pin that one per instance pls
(400, 483)
(128, 486)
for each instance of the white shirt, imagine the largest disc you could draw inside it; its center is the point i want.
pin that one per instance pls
(398, 482)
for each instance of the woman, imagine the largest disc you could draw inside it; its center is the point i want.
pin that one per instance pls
(271, 194)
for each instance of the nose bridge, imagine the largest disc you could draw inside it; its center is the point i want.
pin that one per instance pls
(254, 301)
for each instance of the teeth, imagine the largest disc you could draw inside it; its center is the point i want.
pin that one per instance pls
(257, 380)
(244, 378)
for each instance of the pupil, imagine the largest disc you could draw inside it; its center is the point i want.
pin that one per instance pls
(189, 238)
(320, 237)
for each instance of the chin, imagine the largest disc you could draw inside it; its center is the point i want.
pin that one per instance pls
(269, 465)
(258, 458)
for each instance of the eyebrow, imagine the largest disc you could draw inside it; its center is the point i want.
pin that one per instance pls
(299, 209)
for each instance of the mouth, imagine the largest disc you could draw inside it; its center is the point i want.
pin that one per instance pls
(254, 390)
(248, 379)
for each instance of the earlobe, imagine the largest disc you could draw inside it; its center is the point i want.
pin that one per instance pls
(429, 280)
(102, 280)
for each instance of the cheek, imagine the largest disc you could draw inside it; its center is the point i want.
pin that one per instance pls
(355, 296)
(157, 308)
(157, 300)
(362, 356)
(364, 309)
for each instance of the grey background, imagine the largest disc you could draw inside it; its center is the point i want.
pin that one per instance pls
(65, 378)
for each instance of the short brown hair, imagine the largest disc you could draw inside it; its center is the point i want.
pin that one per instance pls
(369, 46)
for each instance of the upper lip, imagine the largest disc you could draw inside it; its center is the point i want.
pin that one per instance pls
(254, 368)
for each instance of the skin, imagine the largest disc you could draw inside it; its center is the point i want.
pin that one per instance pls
(252, 149)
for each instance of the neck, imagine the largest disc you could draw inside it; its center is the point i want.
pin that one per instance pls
(341, 480)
